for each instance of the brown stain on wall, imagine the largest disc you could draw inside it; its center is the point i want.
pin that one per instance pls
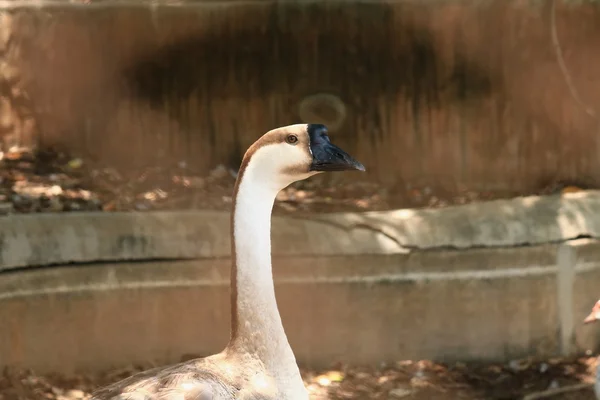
(444, 93)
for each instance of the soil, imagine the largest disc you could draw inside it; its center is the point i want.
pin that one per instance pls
(50, 181)
(410, 380)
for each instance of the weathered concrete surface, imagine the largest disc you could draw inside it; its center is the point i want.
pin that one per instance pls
(514, 222)
(472, 282)
(481, 304)
(436, 93)
(44, 239)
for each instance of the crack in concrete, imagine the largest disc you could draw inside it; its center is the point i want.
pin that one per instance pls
(363, 225)
(407, 247)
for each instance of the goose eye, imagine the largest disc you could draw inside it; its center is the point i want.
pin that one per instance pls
(292, 139)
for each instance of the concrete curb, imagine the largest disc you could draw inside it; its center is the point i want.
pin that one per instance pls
(46, 239)
(449, 305)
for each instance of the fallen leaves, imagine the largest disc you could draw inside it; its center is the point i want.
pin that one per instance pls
(50, 181)
(415, 380)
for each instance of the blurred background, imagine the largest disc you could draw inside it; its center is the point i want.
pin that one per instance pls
(470, 241)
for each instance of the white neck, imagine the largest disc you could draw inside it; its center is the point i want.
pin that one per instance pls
(257, 327)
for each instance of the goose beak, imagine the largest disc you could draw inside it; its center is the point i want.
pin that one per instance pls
(328, 157)
(593, 317)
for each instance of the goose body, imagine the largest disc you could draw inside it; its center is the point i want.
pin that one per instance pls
(597, 381)
(594, 316)
(224, 376)
(258, 362)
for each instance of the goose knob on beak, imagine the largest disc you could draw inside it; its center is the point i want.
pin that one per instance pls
(327, 156)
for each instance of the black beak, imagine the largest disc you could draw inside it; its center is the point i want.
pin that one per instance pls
(327, 156)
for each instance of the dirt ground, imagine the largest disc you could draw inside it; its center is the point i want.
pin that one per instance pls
(420, 380)
(50, 181)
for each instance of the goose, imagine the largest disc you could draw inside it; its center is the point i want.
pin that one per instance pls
(258, 362)
(593, 317)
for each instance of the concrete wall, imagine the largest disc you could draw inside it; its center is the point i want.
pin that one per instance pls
(494, 95)
(490, 281)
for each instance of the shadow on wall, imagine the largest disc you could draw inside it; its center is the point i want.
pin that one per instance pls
(355, 52)
(299, 49)
(437, 94)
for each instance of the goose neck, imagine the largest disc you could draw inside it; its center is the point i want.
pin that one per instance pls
(256, 323)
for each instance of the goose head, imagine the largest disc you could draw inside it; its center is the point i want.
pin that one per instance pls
(295, 152)
(594, 315)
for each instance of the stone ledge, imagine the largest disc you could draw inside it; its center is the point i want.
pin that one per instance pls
(47, 239)
(500, 223)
